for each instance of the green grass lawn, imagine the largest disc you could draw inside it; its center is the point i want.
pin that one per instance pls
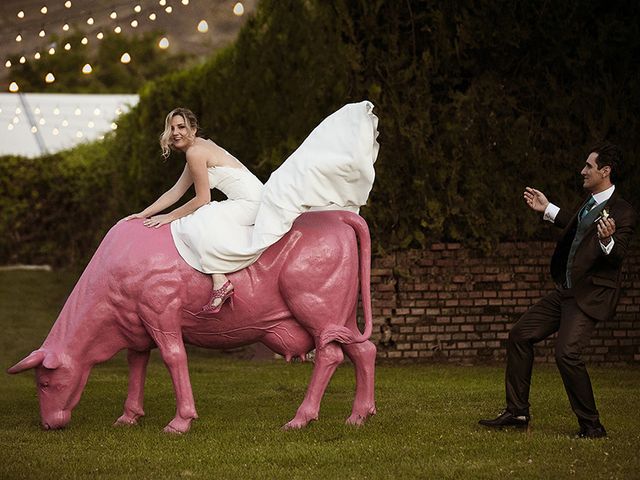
(426, 425)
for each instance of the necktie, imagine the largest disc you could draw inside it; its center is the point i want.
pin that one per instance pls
(587, 207)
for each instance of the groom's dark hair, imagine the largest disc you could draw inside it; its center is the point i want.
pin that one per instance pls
(609, 155)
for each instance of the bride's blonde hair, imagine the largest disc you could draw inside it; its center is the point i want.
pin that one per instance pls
(190, 121)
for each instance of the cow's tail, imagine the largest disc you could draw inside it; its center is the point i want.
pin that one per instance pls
(341, 334)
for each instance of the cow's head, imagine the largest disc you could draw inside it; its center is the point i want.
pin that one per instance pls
(59, 383)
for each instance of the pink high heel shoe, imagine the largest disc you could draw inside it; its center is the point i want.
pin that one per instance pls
(223, 293)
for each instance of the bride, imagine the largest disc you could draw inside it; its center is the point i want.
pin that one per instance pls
(332, 169)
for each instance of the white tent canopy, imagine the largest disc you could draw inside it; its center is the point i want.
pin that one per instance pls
(32, 124)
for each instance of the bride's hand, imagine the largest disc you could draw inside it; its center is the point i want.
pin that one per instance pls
(157, 221)
(132, 216)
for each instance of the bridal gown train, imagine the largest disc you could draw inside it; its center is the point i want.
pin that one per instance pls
(332, 169)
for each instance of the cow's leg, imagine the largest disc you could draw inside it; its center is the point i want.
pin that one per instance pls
(175, 358)
(167, 335)
(363, 356)
(327, 360)
(137, 372)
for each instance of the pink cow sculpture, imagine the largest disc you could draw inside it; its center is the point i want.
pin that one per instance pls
(137, 292)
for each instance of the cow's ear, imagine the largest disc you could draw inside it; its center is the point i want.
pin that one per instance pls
(51, 361)
(33, 360)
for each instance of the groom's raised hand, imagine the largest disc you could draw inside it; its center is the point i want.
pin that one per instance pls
(535, 199)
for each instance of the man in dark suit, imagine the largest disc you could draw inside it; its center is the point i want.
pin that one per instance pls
(586, 267)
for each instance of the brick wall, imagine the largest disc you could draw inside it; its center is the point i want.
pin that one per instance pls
(457, 304)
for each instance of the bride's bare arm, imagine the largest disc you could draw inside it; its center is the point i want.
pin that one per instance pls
(168, 198)
(196, 169)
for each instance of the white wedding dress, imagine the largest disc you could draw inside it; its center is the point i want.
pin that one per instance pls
(332, 169)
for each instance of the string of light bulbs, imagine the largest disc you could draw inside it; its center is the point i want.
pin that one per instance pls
(87, 69)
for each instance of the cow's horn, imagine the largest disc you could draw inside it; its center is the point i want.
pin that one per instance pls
(33, 360)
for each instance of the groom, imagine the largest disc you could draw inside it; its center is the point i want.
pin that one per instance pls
(586, 268)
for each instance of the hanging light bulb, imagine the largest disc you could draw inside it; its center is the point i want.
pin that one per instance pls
(67, 4)
(20, 14)
(36, 55)
(55, 131)
(65, 123)
(125, 58)
(137, 9)
(49, 78)
(44, 10)
(56, 111)
(113, 15)
(185, 2)
(10, 126)
(96, 111)
(77, 112)
(117, 29)
(65, 27)
(118, 111)
(114, 126)
(79, 134)
(36, 110)
(90, 21)
(18, 38)
(203, 26)
(52, 51)
(90, 124)
(42, 33)
(15, 120)
(162, 2)
(134, 23)
(152, 17)
(67, 46)
(22, 60)
(163, 43)
(169, 9)
(18, 112)
(238, 9)
(87, 69)
(42, 121)
(34, 129)
(100, 35)
(84, 41)
(13, 87)
(7, 64)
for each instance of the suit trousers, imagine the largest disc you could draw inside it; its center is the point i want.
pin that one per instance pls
(557, 312)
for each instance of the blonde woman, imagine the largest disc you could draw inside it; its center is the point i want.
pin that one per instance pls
(217, 239)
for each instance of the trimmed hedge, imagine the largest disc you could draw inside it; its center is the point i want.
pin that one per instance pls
(476, 99)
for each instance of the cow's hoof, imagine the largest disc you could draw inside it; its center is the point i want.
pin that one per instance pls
(359, 419)
(125, 421)
(356, 420)
(297, 423)
(178, 426)
(171, 430)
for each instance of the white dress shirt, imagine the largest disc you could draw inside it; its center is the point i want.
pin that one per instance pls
(552, 210)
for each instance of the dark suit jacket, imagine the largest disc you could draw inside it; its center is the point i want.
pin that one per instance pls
(595, 276)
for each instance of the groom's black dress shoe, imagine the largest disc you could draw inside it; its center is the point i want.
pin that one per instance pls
(506, 419)
(596, 431)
